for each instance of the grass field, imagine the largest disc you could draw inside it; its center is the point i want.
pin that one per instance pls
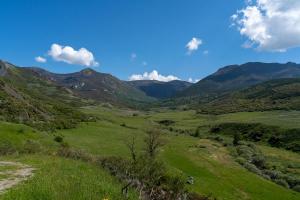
(211, 165)
(57, 178)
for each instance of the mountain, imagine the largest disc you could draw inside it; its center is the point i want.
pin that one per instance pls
(279, 94)
(97, 86)
(236, 77)
(160, 90)
(26, 98)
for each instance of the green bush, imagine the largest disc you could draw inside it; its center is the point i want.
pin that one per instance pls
(74, 154)
(7, 148)
(241, 160)
(252, 168)
(297, 188)
(259, 161)
(58, 139)
(31, 146)
(282, 182)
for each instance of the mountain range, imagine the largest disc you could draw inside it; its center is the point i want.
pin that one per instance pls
(159, 89)
(35, 96)
(93, 85)
(235, 77)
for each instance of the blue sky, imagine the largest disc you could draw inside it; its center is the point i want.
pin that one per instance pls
(135, 36)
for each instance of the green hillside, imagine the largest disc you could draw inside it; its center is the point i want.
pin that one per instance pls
(280, 94)
(26, 98)
(235, 77)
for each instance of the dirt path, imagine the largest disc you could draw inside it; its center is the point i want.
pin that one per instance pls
(13, 174)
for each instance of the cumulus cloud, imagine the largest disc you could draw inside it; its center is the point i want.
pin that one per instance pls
(154, 75)
(40, 59)
(191, 80)
(270, 25)
(71, 56)
(193, 45)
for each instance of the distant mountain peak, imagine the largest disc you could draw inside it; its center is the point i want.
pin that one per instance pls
(235, 77)
(88, 71)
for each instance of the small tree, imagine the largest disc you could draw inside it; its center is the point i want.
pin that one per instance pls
(153, 142)
(132, 148)
(236, 139)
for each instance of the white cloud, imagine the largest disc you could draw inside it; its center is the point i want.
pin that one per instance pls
(40, 59)
(270, 25)
(205, 52)
(154, 75)
(191, 80)
(193, 45)
(68, 55)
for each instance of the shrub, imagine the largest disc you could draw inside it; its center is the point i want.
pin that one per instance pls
(252, 168)
(219, 139)
(7, 148)
(21, 130)
(273, 174)
(74, 154)
(245, 152)
(166, 122)
(282, 182)
(297, 188)
(259, 161)
(241, 160)
(31, 146)
(197, 133)
(236, 139)
(58, 139)
(176, 184)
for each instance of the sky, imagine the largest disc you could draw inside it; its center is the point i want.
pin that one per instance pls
(148, 39)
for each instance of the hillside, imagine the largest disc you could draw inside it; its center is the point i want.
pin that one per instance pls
(280, 94)
(236, 77)
(160, 90)
(26, 98)
(100, 87)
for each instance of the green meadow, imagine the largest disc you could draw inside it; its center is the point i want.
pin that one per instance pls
(210, 163)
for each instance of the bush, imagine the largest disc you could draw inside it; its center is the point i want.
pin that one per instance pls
(259, 161)
(252, 168)
(241, 160)
(31, 146)
(7, 148)
(58, 139)
(273, 174)
(176, 184)
(245, 152)
(166, 122)
(21, 130)
(74, 154)
(236, 139)
(197, 133)
(282, 182)
(297, 188)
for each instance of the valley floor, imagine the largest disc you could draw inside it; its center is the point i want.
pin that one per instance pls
(211, 165)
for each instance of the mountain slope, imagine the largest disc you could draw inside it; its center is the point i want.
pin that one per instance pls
(160, 90)
(236, 77)
(26, 98)
(279, 94)
(90, 84)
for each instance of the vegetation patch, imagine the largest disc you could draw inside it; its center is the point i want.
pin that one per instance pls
(256, 132)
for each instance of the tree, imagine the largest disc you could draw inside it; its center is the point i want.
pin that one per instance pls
(153, 142)
(132, 148)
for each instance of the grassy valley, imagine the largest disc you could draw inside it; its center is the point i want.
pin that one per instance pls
(82, 146)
